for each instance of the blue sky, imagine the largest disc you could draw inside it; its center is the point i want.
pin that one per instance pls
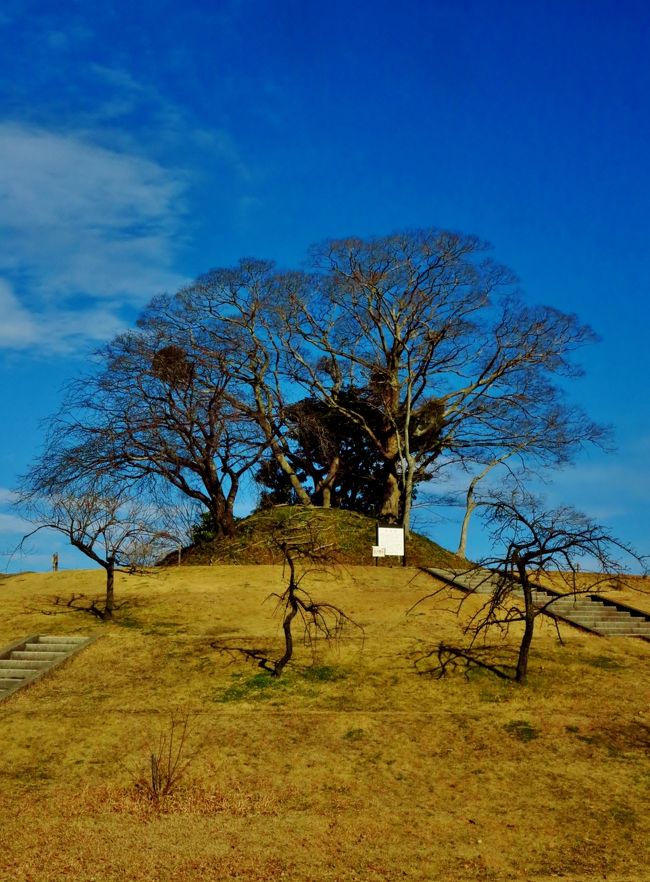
(142, 144)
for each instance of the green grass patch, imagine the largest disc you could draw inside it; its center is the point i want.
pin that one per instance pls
(603, 663)
(260, 687)
(263, 686)
(322, 674)
(354, 735)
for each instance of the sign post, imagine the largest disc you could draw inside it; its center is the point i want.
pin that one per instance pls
(391, 542)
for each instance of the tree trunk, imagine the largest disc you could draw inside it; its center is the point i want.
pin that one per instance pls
(230, 505)
(529, 626)
(283, 462)
(292, 611)
(470, 505)
(325, 487)
(390, 506)
(407, 502)
(222, 521)
(109, 605)
(228, 521)
(392, 498)
(276, 449)
(220, 511)
(469, 508)
(389, 510)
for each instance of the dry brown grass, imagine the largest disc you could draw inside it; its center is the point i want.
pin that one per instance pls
(349, 768)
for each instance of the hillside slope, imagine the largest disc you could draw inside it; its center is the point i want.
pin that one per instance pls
(349, 767)
(350, 534)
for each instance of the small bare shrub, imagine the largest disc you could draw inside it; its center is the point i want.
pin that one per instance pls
(167, 761)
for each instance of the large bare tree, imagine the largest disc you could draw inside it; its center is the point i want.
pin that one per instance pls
(415, 342)
(238, 314)
(155, 410)
(454, 361)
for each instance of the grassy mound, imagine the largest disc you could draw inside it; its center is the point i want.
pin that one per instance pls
(351, 536)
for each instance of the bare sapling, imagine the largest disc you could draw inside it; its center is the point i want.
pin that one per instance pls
(167, 759)
(530, 544)
(304, 548)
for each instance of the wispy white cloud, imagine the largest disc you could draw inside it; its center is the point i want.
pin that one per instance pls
(51, 330)
(18, 328)
(7, 496)
(135, 106)
(11, 524)
(60, 40)
(85, 230)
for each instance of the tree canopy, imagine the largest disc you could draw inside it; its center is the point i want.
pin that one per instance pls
(347, 383)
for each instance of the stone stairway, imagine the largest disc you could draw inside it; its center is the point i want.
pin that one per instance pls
(592, 612)
(29, 659)
(476, 580)
(597, 614)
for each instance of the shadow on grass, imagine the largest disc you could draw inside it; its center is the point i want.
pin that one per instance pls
(471, 661)
(64, 605)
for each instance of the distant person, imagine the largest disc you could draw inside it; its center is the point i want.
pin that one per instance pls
(55, 561)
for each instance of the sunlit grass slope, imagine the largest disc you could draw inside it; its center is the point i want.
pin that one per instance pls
(350, 767)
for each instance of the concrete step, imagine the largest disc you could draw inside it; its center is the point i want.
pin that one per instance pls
(21, 663)
(597, 612)
(604, 617)
(29, 659)
(591, 614)
(51, 638)
(17, 673)
(9, 683)
(588, 604)
(611, 614)
(592, 608)
(604, 626)
(36, 656)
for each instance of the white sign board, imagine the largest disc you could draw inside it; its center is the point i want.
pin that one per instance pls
(378, 551)
(392, 539)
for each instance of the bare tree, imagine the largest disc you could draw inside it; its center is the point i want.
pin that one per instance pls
(547, 435)
(416, 342)
(113, 529)
(239, 313)
(154, 411)
(303, 544)
(303, 548)
(192, 398)
(471, 502)
(532, 543)
(455, 362)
